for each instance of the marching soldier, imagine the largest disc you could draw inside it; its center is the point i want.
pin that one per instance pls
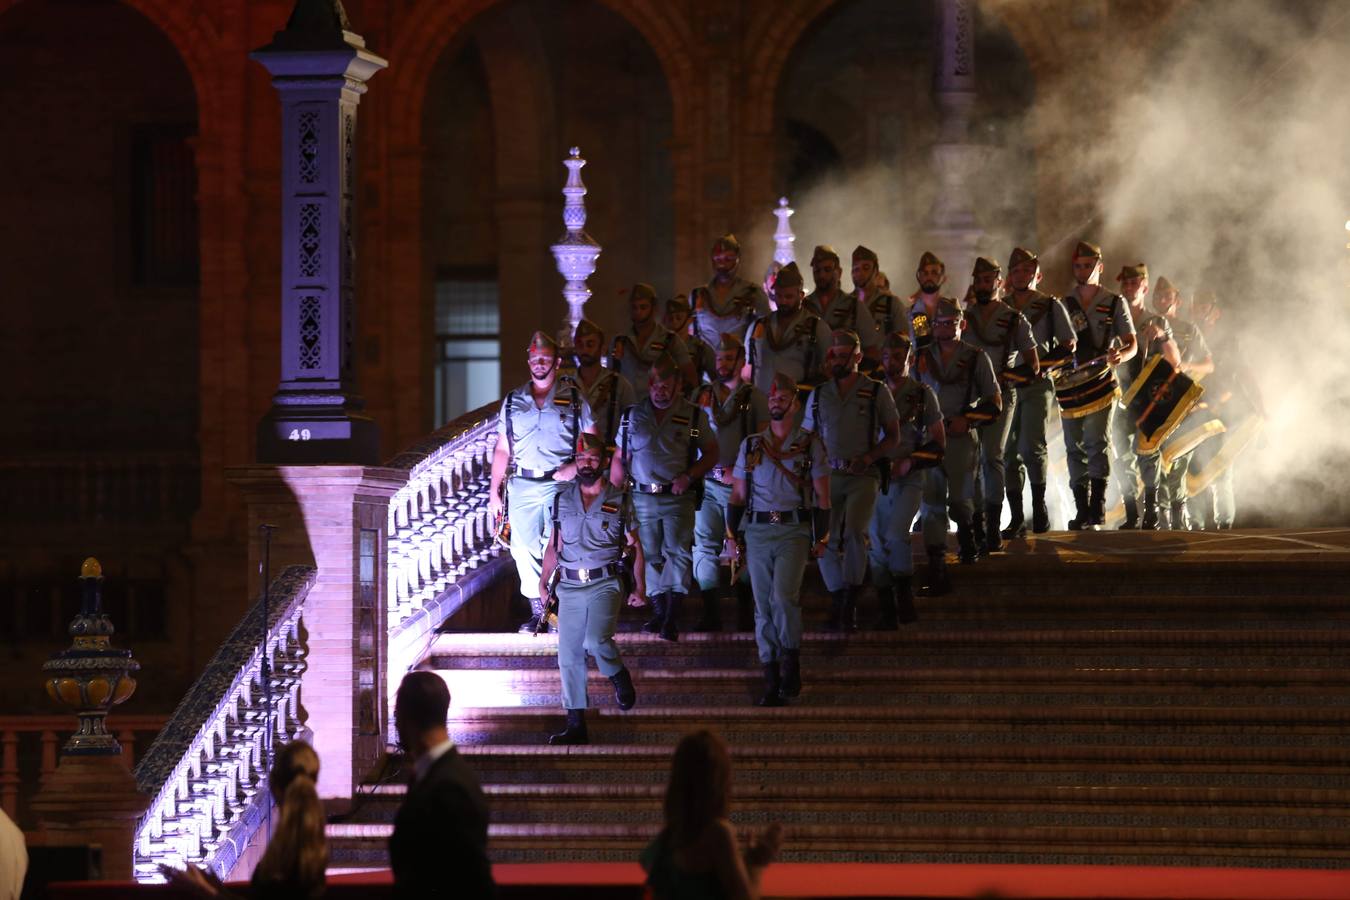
(931, 276)
(920, 426)
(873, 288)
(537, 429)
(790, 339)
(679, 321)
(780, 496)
(666, 447)
(1005, 335)
(634, 351)
(592, 524)
(1106, 338)
(1197, 362)
(962, 378)
(848, 412)
(607, 392)
(735, 411)
(1026, 446)
(840, 310)
(728, 302)
(1155, 337)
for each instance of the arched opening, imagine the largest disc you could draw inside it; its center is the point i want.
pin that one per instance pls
(507, 99)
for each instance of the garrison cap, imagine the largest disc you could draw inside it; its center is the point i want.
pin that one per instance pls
(783, 383)
(930, 258)
(642, 291)
(1087, 251)
(727, 242)
(1205, 297)
(586, 328)
(678, 304)
(861, 252)
(1021, 255)
(947, 309)
(985, 264)
(1138, 270)
(729, 342)
(1164, 286)
(664, 366)
(788, 276)
(842, 337)
(541, 341)
(590, 442)
(823, 251)
(896, 340)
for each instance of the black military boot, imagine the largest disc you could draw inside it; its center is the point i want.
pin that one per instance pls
(992, 537)
(711, 619)
(790, 672)
(670, 626)
(1017, 523)
(1040, 516)
(1131, 513)
(624, 693)
(574, 733)
(902, 592)
(531, 625)
(938, 583)
(1180, 520)
(1150, 520)
(773, 684)
(838, 605)
(1082, 517)
(848, 622)
(653, 625)
(1097, 502)
(886, 619)
(977, 532)
(965, 538)
(745, 606)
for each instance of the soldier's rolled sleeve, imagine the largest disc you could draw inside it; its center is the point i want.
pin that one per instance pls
(707, 438)
(984, 377)
(502, 413)
(738, 471)
(868, 333)
(887, 415)
(678, 349)
(586, 420)
(1123, 324)
(809, 419)
(820, 465)
(1023, 339)
(932, 412)
(1062, 324)
(761, 303)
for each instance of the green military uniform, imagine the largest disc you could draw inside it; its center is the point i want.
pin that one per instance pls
(656, 447)
(703, 356)
(1131, 466)
(608, 396)
(792, 343)
(1193, 348)
(632, 356)
(1026, 445)
(539, 438)
(846, 312)
(727, 308)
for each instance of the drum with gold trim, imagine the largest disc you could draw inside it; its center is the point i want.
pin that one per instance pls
(1086, 390)
(1201, 425)
(1158, 401)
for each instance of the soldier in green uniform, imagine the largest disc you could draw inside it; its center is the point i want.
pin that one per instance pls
(855, 417)
(665, 447)
(931, 276)
(607, 392)
(1026, 446)
(735, 410)
(1105, 333)
(1197, 362)
(537, 427)
(962, 378)
(1154, 336)
(635, 350)
(790, 339)
(780, 496)
(840, 310)
(920, 426)
(678, 320)
(592, 523)
(728, 302)
(873, 290)
(1005, 335)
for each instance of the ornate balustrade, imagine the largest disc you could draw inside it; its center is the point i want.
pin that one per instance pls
(206, 772)
(441, 542)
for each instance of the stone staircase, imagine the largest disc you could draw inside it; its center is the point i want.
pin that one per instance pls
(1147, 699)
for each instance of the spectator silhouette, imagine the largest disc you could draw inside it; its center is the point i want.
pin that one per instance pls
(695, 857)
(439, 845)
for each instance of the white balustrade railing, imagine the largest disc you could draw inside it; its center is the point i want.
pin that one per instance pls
(206, 771)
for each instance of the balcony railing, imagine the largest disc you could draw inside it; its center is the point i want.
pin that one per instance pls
(206, 772)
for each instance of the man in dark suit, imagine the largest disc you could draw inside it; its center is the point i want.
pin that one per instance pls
(439, 845)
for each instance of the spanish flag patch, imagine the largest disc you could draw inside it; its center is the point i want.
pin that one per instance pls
(560, 400)
(680, 420)
(611, 508)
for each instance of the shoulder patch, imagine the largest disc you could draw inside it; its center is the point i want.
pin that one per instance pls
(611, 508)
(561, 401)
(679, 419)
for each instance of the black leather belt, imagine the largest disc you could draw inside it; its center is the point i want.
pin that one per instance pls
(840, 465)
(586, 576)
(532, 474)
(780, 517)
(652, 488)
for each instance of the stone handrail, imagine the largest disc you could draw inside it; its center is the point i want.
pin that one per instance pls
(206, 772)
(441, 539)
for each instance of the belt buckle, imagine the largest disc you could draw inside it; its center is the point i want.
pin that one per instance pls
(775, 517)
(584, 576)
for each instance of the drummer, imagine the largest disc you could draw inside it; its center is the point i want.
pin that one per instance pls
(1197, 362)
(1105, 332)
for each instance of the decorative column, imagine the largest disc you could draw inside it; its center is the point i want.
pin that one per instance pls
(91, 798)
(319, 68)
(953, 231)
(576, 251)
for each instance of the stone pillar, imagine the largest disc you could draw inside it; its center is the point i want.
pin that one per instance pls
(334, 518)
(319, 68)
(953, 231)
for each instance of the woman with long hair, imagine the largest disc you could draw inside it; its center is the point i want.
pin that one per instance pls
(297, 855)
(696, 856)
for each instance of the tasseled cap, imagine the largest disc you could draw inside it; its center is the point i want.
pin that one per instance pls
(593, 442)
(1163, 286)
(1022, 255)
(782, 383)
(664, 366)
(727, 242)
(1138, 270)
(728, 342)
(823, 251)
(678, 304)
(541, 341)
(861, 252)
(789, 276)
(984, 264)
(842, 337)
(947, 310)
(587, 328)
(929, 258)
(1084, 250)
(896, 340)
(642, 291)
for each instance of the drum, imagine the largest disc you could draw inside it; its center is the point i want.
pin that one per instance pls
(1158, 400)
(1086, 390)
(1229, 447)
(1201, 425)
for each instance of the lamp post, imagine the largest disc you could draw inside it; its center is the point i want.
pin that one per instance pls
(576, 251)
